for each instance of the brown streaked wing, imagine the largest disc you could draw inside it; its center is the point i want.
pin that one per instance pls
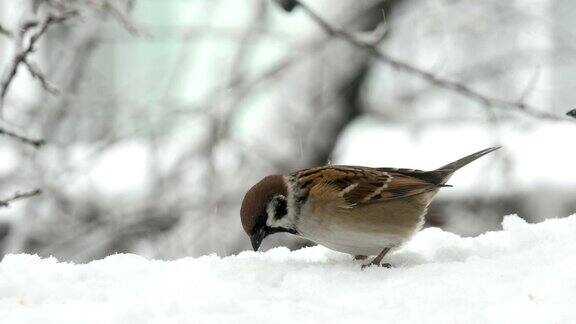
(351, 186)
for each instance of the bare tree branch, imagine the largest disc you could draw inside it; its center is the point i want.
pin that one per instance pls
(21, 57)
(36, 143)
(34, 70)
(454, 86)
(19, 195)
(132, 26)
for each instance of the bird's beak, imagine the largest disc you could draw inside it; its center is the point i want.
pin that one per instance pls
(257, 238)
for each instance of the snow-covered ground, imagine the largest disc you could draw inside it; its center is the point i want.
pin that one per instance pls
(523, 274)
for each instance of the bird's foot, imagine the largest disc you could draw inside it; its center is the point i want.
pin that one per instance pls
(383, 265)
(360, 257)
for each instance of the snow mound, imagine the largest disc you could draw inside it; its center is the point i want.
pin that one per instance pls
(522, 274)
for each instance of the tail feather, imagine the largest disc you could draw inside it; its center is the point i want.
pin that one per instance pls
(444, 173)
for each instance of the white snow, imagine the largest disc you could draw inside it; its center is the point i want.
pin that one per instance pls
(522, 274)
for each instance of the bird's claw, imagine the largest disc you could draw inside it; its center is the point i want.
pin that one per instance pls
(383, 265)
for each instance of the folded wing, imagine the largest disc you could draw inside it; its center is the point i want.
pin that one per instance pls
(351, 186)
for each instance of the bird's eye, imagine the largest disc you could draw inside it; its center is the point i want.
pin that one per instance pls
(280, 207)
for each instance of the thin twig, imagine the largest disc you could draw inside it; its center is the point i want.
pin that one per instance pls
(132, 26)
(454, 86)
(21, 57)
(530, 85)
(36, 143)
(19, 195)
(37, 74)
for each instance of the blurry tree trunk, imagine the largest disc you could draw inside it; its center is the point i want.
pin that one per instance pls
(344, 70)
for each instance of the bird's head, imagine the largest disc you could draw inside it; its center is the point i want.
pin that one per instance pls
(264, 209)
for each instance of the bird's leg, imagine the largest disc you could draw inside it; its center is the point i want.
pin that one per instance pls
(378, 259)
(360, 257)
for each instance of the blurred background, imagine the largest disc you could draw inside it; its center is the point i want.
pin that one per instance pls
(157, 116)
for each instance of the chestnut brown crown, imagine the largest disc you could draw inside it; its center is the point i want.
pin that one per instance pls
(257, 198)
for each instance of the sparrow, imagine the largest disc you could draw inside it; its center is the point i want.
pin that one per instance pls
(358, 210)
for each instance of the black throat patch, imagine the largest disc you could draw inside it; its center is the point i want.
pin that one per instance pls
(280, 207)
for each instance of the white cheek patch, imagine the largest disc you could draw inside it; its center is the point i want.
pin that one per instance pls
(271, 212)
